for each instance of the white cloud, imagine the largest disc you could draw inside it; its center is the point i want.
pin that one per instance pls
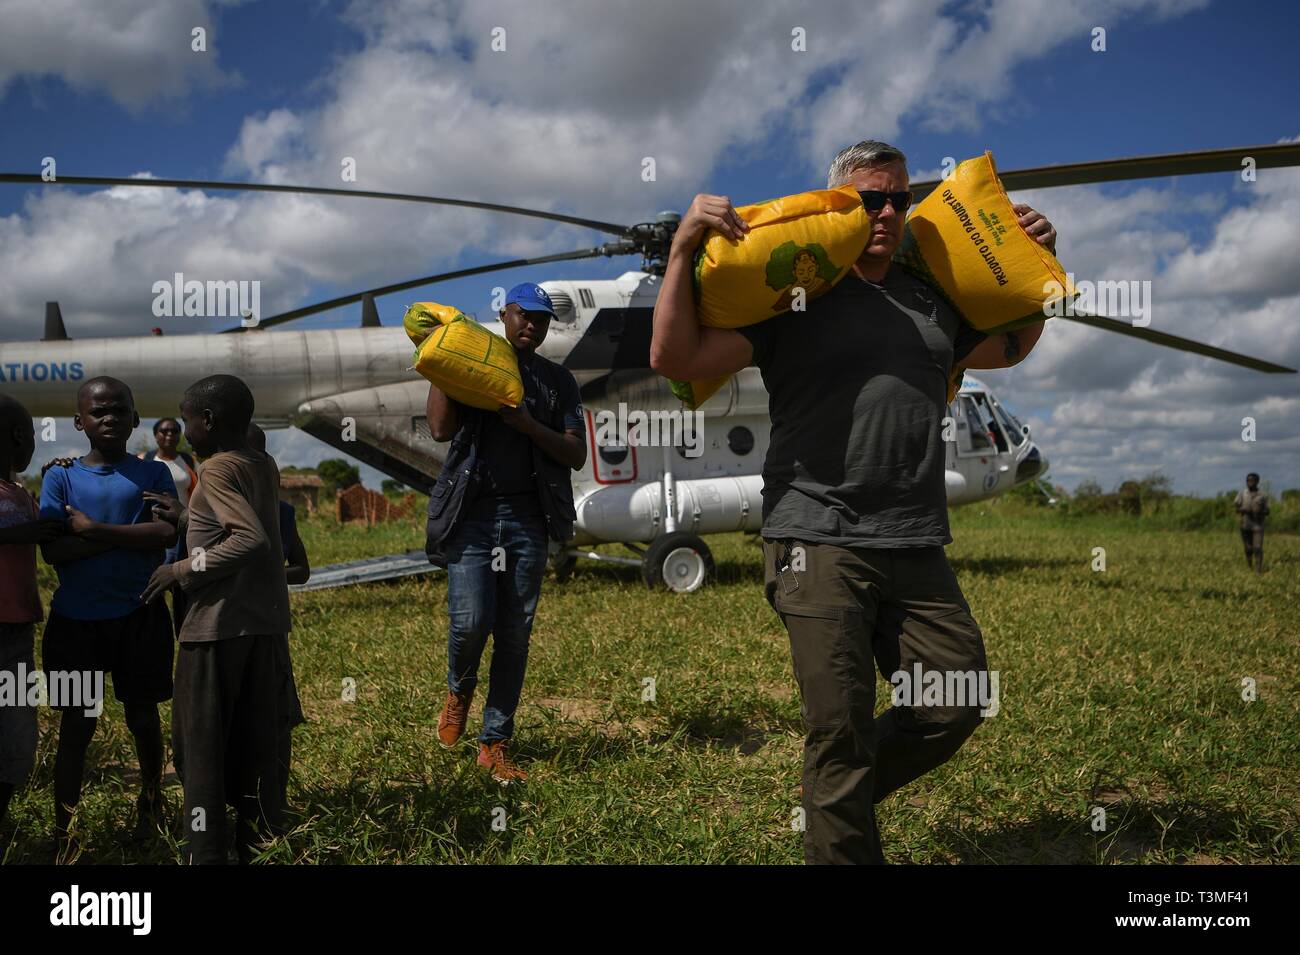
(135, 51)
(563, 118)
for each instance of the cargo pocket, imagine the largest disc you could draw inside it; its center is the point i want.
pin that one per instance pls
(440, 495)
(943, 639)
(828, 665)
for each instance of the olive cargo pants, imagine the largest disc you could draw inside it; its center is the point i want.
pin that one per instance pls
(843, 608)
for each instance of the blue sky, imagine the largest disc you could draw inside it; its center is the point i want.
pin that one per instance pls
(1019, 79)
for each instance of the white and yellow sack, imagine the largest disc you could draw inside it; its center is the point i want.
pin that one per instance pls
(964, 240)
(464, 359)
(798, 247)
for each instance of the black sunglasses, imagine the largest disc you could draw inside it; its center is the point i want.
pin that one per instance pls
(873, 200)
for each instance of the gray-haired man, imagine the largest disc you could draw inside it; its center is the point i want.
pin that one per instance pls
(854, 507)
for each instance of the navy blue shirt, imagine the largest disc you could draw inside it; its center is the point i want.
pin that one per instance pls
(506, 455)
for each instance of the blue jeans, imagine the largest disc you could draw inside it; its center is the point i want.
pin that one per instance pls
(494, 576)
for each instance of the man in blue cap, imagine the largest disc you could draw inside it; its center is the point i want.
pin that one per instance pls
(490, 529)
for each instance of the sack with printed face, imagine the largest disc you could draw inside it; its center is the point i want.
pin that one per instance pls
(464, 359)
(798, 247)
(965, 241)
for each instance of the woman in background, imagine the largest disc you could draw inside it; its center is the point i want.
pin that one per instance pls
(167, 434)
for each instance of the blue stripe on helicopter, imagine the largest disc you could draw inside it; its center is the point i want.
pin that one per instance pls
(15, 371)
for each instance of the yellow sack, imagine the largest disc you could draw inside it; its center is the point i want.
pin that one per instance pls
(464, 359)
(954, 384)
(422, 318)
(963, 239)
(695, 393)
(806, 241)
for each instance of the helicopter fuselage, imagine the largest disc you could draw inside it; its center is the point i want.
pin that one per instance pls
(354, 388)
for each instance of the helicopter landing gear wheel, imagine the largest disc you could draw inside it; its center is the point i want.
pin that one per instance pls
(680, 562)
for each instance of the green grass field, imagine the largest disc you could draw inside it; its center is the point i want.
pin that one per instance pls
(1120, 689)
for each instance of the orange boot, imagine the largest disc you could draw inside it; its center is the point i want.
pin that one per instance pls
(493, 755)
(451, 722)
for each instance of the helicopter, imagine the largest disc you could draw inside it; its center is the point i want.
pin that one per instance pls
(354, 388)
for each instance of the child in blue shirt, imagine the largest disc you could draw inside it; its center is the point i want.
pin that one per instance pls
(110, 546)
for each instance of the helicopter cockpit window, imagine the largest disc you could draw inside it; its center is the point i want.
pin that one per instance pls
(972, 436)
(1014, 432)
(991, 425)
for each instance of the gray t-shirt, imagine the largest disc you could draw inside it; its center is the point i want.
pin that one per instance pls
(857, 387)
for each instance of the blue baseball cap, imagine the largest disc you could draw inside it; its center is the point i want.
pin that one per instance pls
(531, 298)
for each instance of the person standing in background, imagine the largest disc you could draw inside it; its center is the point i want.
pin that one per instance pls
(167, 434)
(185, 472)
(1252, 505)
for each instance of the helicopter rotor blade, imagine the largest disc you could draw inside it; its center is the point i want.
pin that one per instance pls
(218, 186)
(1182, 344)
(1272, 156)
(426, 280)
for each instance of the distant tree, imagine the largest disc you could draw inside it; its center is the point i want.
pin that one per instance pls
(1154, 491)
(1088, 488)
(389, 486)
(1129, 497)
(336, 475)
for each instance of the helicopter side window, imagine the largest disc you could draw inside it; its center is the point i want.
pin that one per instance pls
(740, 440)
(612, 454)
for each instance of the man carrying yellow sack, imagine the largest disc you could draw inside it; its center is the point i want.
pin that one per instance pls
(854, 506)
(504, 488)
